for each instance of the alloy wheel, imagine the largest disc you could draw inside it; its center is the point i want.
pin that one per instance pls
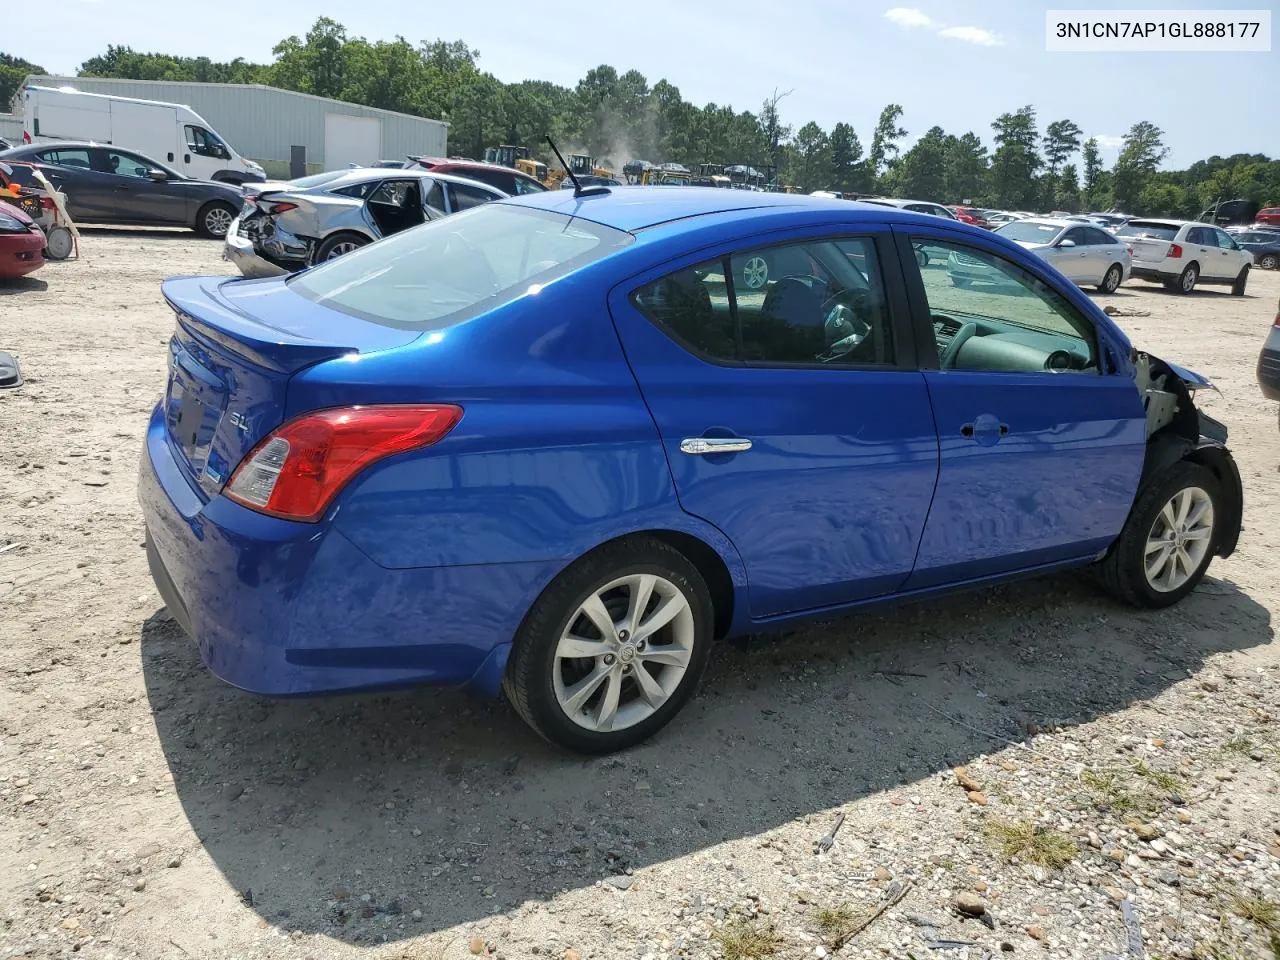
(623, 653)
(218, 221)
(1269, 262)
(1189, 277)
(755, 273)
(1111, 282)
(1179, 539)
(340, 248)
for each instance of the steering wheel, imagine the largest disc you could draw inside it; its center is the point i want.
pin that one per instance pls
(843, 325)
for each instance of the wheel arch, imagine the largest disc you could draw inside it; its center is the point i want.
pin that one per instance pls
(1169, 447)
(711, 553)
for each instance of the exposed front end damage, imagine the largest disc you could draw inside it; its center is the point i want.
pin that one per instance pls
(1178, 430)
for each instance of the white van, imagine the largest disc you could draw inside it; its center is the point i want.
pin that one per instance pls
(168, 132)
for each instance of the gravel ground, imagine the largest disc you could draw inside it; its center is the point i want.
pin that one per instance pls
(1019, 768)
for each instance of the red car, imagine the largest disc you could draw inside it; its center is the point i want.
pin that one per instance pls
(1268, 215)
(970, 215)
(511, 182)
(21, 243)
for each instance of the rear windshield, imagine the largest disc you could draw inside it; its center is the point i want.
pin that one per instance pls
(455, 268)
(1143, 228)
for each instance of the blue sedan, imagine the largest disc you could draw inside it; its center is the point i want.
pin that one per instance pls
(557, 445)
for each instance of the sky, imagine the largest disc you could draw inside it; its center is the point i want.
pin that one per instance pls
(954, 64)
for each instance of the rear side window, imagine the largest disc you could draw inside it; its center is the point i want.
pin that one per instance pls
(67, 158)
(465, 197)
(820, 302)
(357, 190)
(1202, 235)
(449, 270)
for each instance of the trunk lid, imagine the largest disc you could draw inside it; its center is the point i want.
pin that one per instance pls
(1147, 249)
(236, 345)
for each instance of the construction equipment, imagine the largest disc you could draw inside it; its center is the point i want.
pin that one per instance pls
(534, 168)
(506, 155)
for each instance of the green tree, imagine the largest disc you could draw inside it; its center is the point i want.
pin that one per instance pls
(1061, 140)
(1015, 162)
(1141, 153)
(966, 169)
(847, 170)
(923, 169)
(1068, 189)
(773, 131)
(811, 164)
(13, 73)
(884, 141)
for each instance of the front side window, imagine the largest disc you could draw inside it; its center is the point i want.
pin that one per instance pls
(1077, 237)
(1224, 240)
(205, 143)
(990, 314)
(819, 302)
(126, 165)
(1099, 238)
(525, 185)
(450, 270)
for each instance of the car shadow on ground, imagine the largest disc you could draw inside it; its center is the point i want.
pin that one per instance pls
(9, 286)
(426, 800)
(145, 233)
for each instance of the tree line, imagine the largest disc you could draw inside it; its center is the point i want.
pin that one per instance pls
(618, 117)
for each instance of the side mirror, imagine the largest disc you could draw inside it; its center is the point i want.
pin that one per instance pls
(1066, 243)
(159, 176)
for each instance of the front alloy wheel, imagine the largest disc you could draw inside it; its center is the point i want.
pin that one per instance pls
(1169, 539)
(613, 648)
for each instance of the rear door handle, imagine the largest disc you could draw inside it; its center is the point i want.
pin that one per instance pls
(699, 446)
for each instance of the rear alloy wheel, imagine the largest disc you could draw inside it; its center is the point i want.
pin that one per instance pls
(1269, 261)
(1111, 280)
(1237, 287)
(1188, 278)
(339, 244)
(613, 648)
(1168, 540)
(214, 220)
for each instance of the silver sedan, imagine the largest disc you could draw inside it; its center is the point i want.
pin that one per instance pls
(286, 226)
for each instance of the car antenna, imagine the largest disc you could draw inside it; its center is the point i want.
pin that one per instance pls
(578, 189)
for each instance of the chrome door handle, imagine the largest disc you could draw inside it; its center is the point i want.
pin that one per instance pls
(697, 446)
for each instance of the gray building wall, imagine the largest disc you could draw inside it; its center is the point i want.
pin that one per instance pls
(262, 122)
(11, 127)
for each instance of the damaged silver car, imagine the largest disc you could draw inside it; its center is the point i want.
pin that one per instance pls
(286, 226)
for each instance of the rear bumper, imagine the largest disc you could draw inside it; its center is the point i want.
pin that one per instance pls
(240, 251)
(1146, 271)
(283, 608)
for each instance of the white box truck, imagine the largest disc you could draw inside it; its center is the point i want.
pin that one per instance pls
(170, 133)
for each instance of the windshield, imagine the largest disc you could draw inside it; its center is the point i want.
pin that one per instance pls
(1029, 231)
(450, 270)
(1142, 228)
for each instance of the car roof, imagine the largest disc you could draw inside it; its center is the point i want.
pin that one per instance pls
(1058, 222)
(635, 208)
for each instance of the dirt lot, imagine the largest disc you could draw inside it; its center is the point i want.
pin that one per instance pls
(147, 810)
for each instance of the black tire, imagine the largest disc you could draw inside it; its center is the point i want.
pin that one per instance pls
(922, 258)
(1269, 261)
(1123, 569)
(529, 679)
(1187, 279)
(1111, 279)
(214, 219)
(1240, 282)
(331, 247)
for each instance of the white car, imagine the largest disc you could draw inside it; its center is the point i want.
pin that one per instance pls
(1085, 254)
(1182, 253)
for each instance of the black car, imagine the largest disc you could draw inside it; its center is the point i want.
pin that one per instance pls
(105, 184)
(1263, 244)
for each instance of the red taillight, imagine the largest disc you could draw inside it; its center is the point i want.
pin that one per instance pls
(296, 471)
(1175, 251)
(283, 206)
(46, 203)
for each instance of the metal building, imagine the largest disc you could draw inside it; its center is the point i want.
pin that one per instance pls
(11, 127)
(268, 124)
